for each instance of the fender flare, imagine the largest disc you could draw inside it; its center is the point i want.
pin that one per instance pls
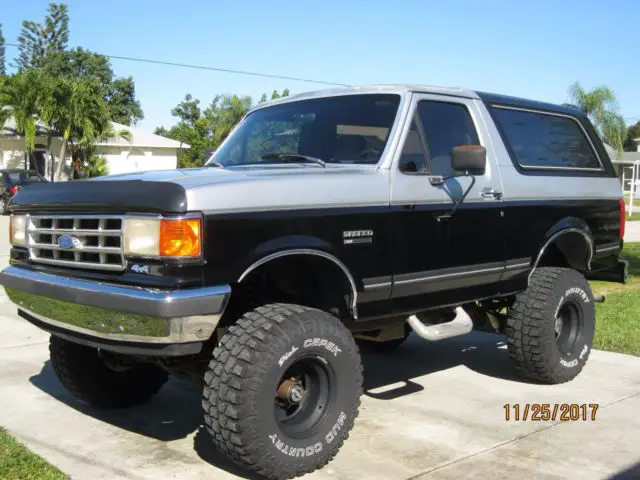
(565, 226)
(313, 252)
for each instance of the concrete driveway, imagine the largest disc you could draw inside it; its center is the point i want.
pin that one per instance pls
(430, 411)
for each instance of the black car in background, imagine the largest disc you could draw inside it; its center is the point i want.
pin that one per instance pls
(12, 180)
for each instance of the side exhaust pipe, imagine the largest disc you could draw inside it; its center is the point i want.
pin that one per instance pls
(460, 325)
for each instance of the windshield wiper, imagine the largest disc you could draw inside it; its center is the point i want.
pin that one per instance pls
(292, 157)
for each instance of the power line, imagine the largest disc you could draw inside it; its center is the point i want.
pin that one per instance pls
(217, 69)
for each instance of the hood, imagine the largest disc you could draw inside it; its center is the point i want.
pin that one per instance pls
(216, 190)
(190, 177)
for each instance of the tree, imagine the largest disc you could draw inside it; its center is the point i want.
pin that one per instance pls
(21, 98)
(119, 93)
(87, 157)
(224, 112)
(204, 130)
(38, 40)
(2, 65)
(96, 166)
(76, 110)
(600, 106)
(633, 132)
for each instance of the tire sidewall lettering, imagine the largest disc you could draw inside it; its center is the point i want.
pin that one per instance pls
(286, 446)
(579, 295)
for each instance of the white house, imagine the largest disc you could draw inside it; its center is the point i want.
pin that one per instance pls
(145, 151)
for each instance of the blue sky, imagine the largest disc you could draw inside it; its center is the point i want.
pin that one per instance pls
(531, 49)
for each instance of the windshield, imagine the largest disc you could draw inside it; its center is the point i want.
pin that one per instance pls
(340, 129)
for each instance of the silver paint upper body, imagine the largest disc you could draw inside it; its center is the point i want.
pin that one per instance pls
(306, 185)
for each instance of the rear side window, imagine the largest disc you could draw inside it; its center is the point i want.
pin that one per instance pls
(544, 141)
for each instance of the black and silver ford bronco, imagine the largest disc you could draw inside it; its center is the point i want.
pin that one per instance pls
(325, 224)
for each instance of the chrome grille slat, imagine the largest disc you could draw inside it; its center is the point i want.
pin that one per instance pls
(71, 231)
(88, 265)
(99, 236)
(104, 250)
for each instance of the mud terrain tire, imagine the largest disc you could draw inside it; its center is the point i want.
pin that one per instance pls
(551, 325)
(82, 372)
(260, 418)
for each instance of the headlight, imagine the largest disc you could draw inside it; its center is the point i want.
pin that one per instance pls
(18, 230)
(162, 237)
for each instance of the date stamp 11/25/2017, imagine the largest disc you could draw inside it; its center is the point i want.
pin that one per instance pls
(544, 412)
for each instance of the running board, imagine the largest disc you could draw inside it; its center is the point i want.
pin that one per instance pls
(460, 325)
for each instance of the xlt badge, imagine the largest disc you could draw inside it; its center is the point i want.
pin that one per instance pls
(357, 236)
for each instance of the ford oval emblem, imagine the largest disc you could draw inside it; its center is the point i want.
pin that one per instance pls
(67, 242)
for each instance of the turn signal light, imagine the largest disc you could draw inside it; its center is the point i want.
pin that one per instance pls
(180, 237)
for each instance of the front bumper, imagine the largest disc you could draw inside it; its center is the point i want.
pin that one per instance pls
(124, 319)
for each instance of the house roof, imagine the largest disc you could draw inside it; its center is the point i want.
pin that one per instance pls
(9, 129)
(626, 156)
(139, 138)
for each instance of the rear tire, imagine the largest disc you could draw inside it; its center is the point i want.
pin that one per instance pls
(262, 420)
(83, 372)
(551, 325)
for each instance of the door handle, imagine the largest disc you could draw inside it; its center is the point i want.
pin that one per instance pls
(489, 192)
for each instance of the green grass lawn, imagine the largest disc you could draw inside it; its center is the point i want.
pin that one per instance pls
(18, 463)
(618, 318)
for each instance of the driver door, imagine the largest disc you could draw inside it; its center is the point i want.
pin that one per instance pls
(452, 259)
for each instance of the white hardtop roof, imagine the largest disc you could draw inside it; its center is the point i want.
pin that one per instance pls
(378, 88)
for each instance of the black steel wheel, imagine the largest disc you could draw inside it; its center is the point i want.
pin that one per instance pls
(304, 395)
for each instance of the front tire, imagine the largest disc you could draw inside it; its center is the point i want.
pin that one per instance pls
(83, 372)
(551, 325)
(283, 390)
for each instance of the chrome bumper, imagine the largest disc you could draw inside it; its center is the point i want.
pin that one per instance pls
(115, 313)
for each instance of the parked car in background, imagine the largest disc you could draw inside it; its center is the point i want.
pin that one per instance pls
(12, 180)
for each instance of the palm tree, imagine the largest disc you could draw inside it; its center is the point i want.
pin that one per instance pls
(93, 164)
(21, 99)
(78, 112)
(600, 105)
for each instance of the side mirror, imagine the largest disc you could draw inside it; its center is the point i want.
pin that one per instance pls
(469, 158)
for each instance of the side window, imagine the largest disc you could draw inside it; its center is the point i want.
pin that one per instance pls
(539, 140)
(413, 158)
(445, 125)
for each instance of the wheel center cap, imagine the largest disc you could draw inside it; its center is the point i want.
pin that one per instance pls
(295, 393)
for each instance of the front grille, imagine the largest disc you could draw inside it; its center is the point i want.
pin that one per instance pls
(93, 242)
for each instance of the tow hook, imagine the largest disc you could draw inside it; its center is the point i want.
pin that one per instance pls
(598, 298)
